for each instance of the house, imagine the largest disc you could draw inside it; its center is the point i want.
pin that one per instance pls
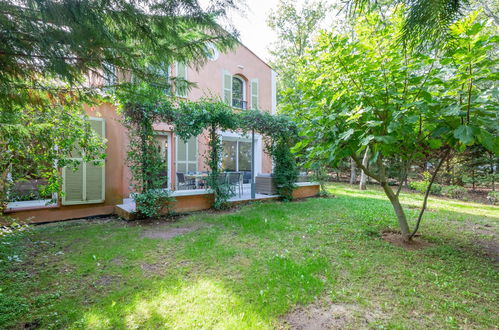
(239, 77)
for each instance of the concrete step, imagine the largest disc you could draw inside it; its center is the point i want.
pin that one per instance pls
(126, 210)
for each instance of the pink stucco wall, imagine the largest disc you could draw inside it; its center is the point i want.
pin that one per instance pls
(209, 83)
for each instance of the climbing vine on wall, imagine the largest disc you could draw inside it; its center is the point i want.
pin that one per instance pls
(139, 113)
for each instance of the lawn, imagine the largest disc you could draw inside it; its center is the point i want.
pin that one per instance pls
(262, 266)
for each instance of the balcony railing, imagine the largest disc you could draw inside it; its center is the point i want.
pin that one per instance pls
(240, 104)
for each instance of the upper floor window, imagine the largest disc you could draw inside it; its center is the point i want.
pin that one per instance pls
(238, 95)
(234, 91)
(212, 52)
(161, 76)
(110, 74)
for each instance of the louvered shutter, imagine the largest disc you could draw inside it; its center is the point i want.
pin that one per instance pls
(86, 184)
(73, 185)
(94, 179)
(181, 70)
(254, 94)
(227, 87)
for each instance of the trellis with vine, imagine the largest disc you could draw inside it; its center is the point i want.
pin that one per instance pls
(189, 119)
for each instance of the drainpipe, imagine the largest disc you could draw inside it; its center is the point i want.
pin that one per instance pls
(253, 164)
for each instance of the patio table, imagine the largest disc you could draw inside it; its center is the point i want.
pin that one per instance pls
(198, 177)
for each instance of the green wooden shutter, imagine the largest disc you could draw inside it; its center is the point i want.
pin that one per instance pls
(73, 185)
(227, 87)
(94, 179)
(181, 71)
(254, 94)
(86, 184)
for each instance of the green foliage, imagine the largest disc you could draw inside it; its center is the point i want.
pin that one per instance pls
(493, 197)
(367, 90)
(56, 53)
(38, 136)
(190, 119)
(141, 106)
(281, 135)
(70, 39)
(285, 171)
(153, 202)
(421, 187)
(426, 22)
(454, 191)
(295, 28)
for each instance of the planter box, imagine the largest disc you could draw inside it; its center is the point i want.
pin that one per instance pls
(306, 189)
(264, 184)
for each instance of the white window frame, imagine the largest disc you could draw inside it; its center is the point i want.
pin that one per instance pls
(84, 169)
(186, 161)
(244, 91)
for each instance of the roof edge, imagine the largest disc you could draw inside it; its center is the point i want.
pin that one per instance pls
(258, 57)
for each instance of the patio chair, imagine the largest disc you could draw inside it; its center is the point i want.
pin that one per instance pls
(183, 183)
(235, 180)
(247, 177)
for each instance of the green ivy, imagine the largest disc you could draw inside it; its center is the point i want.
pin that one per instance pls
(141, 107)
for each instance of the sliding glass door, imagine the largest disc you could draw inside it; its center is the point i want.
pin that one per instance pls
(236, 155)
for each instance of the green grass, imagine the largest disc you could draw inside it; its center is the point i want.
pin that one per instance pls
(248, 268)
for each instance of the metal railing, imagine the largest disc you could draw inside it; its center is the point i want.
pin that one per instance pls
(240, 104)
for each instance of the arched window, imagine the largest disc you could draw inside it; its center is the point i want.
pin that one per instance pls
(238, 97)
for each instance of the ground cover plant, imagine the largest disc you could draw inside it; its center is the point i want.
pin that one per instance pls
(262, 266)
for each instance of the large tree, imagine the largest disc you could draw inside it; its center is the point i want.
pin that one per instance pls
(427, 22)
(368, 91)
(49, 49)
(295, 28)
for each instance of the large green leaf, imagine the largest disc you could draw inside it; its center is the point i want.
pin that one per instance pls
(489, 141)
(464, 133)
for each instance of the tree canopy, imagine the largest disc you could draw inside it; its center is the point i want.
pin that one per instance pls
(427, 22)
(295, 28)
(51, 50)
(369, 91)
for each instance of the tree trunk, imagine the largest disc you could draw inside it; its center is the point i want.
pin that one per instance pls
(363, 176)
(353, 174)
(427, 193)
(399, 211)
(397, 207)
(493, 171)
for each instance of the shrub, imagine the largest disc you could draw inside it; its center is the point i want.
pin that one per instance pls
(151, 203)
(454, 191)
(421, 186)
(493, 197)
